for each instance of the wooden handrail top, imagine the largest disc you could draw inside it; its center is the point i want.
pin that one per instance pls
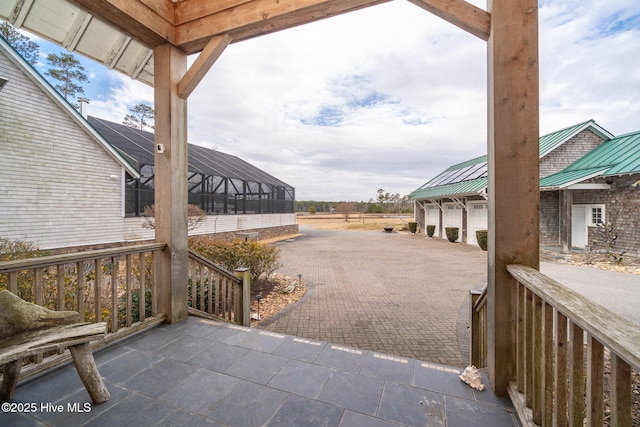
(46, 261)
(206, 262)
(482, 299)
(615, 332)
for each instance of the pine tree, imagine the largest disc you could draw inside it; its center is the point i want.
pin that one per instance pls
(28, 49)
(139, 116)
(69, 72)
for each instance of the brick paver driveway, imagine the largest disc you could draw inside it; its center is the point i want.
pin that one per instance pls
(395, 293)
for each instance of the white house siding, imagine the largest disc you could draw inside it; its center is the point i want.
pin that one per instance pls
(56, 185)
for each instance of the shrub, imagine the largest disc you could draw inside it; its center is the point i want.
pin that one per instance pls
(231, 254)
(452, 233)
(413, 226)
(312, 210)
(135, 306)
(431, 229)
(481, 236)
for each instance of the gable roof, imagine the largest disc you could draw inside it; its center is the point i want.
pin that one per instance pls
(138, 145)
(551, 141)
(618, 156)
(67, 108)
(470, 177)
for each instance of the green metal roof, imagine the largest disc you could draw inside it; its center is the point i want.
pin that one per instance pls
(618, 156)
(566, 178)
(464, 188)
(463, 178)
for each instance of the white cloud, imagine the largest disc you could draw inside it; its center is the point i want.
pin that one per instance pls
(389, 96)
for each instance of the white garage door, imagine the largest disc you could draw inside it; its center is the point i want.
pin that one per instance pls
(478, 216)
(432, 217)
(452, 217)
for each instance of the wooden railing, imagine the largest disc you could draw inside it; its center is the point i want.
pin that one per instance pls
(563, 342)
(478, 317)
(218, 293)
(112, 285)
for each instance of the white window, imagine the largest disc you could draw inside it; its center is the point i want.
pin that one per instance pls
(597, 215)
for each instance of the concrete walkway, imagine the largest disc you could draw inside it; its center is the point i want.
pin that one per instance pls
(618, 292)
(394, 293)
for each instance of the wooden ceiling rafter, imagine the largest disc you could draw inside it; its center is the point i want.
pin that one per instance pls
(152, 26)
(205, 26)
(461, 14)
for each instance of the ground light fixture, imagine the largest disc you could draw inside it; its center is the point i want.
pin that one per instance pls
(258, 297)
(299, 278)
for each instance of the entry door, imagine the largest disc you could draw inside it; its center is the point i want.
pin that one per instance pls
(579, 226)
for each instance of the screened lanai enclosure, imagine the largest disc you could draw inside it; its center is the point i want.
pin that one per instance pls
(218, 183)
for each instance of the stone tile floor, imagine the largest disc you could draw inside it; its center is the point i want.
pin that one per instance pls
(204, 373)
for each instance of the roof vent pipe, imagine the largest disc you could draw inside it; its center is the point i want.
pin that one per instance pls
(84, 102)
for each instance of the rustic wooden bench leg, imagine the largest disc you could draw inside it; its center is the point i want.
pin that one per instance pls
(10, 379)
(88, 372)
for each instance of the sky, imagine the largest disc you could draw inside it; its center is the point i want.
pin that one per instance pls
(390, 96)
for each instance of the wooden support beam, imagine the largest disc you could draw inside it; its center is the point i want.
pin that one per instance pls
(513, 150)
(202, 65)
(191, 10)
(461, 14)
(259, 17)
(170, 167)
(150, 22)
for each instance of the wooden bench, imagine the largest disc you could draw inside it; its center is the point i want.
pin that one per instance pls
(27, 329)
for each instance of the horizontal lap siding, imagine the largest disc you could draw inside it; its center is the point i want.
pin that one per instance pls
(55, 181)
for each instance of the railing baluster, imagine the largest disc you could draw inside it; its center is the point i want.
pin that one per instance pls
(576, 371)
(200, 274)
(96, 290)
(37, 288)
(528, 362)
(620, 392)
(560, 382)
(521, 336)
(547, 371)
(595, 382)
(223, 298)
(80, 283)
(211, 291)
(538, 360)
(129, 298)
(114, 294)
(216, 297)
(60, 287)
(154, 284)
(13, 282)
(142, 306)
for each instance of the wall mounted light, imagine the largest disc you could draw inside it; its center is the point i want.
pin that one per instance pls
(3, 81)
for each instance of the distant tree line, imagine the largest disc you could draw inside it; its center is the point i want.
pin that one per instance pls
(385, 203)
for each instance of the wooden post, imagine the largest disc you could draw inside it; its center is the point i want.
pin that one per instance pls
(566, 200)
(513, 147)
(243, 301)
(171, 182)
